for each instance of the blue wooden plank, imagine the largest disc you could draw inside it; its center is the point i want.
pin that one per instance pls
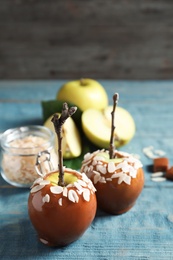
(147, 91)
(14, 114)
(146, 231)
(29, 90)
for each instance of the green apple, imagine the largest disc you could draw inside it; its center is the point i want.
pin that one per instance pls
(71, 143)
(96, 125)
(84, 93)
(69, 178)
(107, 159)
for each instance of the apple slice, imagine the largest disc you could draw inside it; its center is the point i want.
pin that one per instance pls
(97, 126)
(71, 143)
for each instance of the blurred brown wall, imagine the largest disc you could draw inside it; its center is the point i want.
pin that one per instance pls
(64, 39)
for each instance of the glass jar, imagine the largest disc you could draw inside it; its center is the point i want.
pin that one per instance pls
(19, 151)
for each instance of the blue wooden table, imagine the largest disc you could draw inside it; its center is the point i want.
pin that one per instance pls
(146, 231)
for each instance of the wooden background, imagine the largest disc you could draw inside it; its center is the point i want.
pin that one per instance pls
(63, 39)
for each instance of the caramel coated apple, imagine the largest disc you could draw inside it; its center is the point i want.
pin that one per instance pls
(118, 181)
(60, 215)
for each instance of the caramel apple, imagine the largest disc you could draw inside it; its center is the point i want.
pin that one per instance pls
(117, 176)
(118, 181)
(61, 204)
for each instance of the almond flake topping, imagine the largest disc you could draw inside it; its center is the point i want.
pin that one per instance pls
(70, 185)
(85, 163)
(108, 179)
(87, 156)
(124, 170)
(116, 175)
(78, 186)
(158, 179)
(101, 168)
(94, 162)
(86, 168)
(111, 167)
(120, 165)
(82, 183)
(37, 188)
(60, 201)
(86, 194)
(99, 158)
(159, 152)
(157, 174)
(56, 189)
(46, 198)
(102, 179)
(37, 181)
(44, 241)
(79, 191)
(121, 178)
(45, 182)
(90, 168)
(91, 187)
(96, 173)
(65, 191)
(85, 178)
(125, 167)
(132, 172)
(96, 178)
(41, 183)
(84, 187)
(72, 196)
(127, 179)
(99, 162)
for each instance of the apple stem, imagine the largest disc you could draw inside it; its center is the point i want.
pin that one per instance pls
(82, 82)
(112, 143)
(58, 122)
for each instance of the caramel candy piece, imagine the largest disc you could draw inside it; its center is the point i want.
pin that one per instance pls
(161, 164)
(169, 174)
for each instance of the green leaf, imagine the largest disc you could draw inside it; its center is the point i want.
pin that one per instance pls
(51, 107)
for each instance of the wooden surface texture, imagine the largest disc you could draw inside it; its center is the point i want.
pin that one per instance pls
(98, 39)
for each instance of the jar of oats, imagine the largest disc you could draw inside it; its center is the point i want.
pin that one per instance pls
(19, 150)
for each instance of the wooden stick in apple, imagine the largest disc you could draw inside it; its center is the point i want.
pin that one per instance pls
(112, 143)
(58, 121)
